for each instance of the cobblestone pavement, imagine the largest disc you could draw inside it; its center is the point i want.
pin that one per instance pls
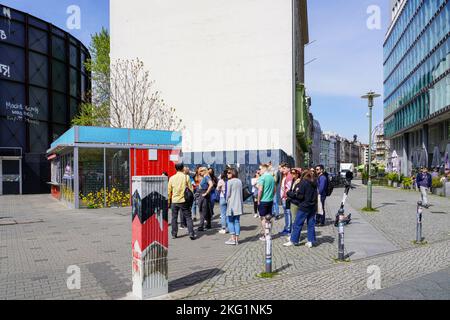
(344, 281)
(40, 238)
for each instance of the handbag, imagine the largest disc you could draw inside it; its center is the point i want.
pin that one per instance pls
(246, 194)
(188, 194)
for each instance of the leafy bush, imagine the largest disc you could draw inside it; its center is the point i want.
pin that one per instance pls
(437, 183)
(407, 183)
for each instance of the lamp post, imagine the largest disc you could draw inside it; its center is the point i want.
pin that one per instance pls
(370, 97)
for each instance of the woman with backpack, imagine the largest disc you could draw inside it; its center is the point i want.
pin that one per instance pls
(304, 196)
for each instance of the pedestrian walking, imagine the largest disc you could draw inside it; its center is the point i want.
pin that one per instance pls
(285, 186)
(176, 195)
(255, 193)
(305, 196)
(266, 195)
(424, 182)
(222, 188)
(204, 200)
(235, 206)
(322, 194)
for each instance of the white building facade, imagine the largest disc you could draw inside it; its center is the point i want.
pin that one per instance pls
(229, 68)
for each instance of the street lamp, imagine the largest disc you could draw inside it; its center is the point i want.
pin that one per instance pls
(370, 97)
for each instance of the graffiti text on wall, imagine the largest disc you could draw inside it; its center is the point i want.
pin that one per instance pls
(5, 70)
(19, 112)
(3, 35)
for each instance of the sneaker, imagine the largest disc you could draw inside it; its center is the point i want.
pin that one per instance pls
(309, 245)
(263, 238)
(223, 231)
(231, 242)
(174, 236)
(182, 227)
(193, 237)
(289, 244)
(201, 229)
(255, 215)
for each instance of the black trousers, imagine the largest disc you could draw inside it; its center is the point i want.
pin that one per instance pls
(255, 204)
(204, 204)
(185, 210)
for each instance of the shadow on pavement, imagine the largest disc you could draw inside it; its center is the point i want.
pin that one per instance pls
(281, 269)
(193, 279)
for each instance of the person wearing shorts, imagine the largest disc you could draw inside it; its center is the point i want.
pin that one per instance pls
(266, 193)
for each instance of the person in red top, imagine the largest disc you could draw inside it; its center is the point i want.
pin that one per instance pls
(285, 186)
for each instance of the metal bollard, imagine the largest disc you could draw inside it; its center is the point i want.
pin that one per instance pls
(268, 235)
(419, 222)
(341, 249)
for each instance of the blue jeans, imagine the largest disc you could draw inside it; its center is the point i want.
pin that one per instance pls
(276, 208)
(298, 226)
(194, 209)
(287, 218)
(223, 213)
(234, 225)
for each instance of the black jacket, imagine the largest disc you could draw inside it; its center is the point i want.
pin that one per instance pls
(304, 196)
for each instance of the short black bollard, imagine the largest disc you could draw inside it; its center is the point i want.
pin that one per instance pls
(268, 236)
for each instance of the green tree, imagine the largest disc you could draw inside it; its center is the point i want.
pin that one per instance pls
(96, 112)
(123, 94)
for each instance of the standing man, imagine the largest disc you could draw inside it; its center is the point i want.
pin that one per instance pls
(266, 194)
(323, 192)
(177, 186)
(424, 182)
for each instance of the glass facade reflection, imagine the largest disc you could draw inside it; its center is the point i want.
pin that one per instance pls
(42, 83)
(417, 65)
(62, 176)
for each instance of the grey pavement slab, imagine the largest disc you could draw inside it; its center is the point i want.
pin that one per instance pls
(362, 240)
(434, 286)
(396, 216)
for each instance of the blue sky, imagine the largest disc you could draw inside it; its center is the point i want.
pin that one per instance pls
(349, 64)
(94, 14)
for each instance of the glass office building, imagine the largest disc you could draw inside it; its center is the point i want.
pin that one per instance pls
(417, 83)
(42, 82)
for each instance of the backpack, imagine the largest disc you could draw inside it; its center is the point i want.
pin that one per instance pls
(330, 184)
(188, 195)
